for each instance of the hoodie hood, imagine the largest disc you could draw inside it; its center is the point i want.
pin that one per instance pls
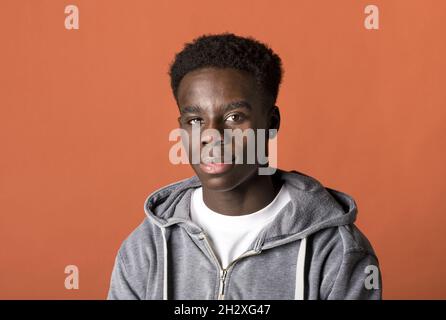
(312, 207)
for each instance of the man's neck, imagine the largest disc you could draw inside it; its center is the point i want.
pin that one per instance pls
(250, 196)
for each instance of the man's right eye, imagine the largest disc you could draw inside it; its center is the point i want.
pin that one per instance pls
(194, 121)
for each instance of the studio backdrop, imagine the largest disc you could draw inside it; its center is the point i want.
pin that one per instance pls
(86, 110)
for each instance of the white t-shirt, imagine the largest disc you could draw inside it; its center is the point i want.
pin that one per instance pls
(231, 236)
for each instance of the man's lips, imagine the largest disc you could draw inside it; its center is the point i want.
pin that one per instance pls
(214, 166)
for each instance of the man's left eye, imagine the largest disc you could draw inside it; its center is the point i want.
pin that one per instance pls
(234, 117)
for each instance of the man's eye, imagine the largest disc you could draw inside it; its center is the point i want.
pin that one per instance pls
(194, 121)
(234, 117)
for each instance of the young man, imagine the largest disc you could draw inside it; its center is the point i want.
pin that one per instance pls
(229, 232)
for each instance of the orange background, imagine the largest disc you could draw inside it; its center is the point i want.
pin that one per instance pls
(85, 117)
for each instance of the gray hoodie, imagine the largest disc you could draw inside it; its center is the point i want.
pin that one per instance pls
(311, 250)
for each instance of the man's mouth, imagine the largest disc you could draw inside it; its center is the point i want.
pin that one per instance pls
(215, 165)
(209, 160)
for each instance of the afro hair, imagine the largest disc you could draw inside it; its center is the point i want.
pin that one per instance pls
(227, 50)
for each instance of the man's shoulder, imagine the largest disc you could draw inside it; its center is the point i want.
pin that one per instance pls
(140, 243)
(344, 239)
(355, 240)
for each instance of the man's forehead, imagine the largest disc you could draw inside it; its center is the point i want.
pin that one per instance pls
(215, 82)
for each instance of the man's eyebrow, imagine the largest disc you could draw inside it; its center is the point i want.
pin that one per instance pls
(190, 109)
(237, 104)
(228, 107)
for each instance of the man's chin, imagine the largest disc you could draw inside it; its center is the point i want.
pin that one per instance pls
(227, 180)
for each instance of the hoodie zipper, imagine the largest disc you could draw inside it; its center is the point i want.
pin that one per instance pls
(224, 271)
(221, 292)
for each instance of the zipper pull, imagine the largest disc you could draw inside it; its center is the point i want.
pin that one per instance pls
(221, 294)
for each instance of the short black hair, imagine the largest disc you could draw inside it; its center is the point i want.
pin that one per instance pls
(227, 50)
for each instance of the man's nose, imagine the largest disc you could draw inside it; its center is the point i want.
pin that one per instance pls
(212, 133)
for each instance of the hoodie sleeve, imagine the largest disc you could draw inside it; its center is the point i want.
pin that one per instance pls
(358, 278)
(120, 287)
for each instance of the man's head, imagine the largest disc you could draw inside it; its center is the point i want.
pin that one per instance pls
(226, 82)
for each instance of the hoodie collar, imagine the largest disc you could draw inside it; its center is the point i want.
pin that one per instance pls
(312, 207)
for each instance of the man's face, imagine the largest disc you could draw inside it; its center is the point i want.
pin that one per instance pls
(219, 99)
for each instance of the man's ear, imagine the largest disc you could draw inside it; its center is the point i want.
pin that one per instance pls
(179, 121)
(274, 120)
